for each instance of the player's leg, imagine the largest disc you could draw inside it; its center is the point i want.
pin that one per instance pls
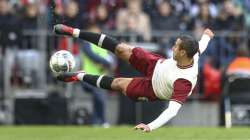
(100, 81)
(122, 50)
(141, 60)
(138, 88)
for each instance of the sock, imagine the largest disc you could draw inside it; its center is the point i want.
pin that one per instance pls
(76, 32)
(99, 81)
(100, 40)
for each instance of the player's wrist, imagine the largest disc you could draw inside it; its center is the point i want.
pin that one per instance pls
(209, 33)
(150, 126)
(206, 37)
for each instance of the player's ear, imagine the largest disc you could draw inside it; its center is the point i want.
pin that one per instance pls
(183, 52)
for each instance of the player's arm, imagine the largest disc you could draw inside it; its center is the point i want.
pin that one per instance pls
(165, 116)
(181, 90)
(205, 38)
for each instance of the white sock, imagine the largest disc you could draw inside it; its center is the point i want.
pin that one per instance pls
(80, 76)
(76, 32)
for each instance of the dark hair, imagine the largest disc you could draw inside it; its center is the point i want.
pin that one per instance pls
(189, 44)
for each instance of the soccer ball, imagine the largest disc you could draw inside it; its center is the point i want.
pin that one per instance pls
(62, 61)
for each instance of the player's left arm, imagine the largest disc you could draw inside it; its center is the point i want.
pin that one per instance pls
(181, 90)
(205, 38)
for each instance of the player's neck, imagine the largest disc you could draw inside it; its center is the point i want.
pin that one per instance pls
(185, 63)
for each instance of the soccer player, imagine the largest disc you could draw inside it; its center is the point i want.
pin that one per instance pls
(171, 79)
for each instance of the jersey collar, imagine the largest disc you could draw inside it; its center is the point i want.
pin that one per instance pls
(187, 66)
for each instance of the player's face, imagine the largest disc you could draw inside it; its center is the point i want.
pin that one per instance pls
(176, 49)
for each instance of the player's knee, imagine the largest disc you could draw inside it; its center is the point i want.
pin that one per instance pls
(123, 49)
(118, 84)
(120, 48)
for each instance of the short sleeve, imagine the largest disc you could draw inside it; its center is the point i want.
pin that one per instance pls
(181, 89)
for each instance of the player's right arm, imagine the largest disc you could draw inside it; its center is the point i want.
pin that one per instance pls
(165, 116)
(206, 37)
(181, 90)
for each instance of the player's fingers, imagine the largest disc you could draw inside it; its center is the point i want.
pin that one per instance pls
(146, 130)
(138, 127)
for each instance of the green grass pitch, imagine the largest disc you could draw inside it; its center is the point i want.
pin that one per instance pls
(121, 133)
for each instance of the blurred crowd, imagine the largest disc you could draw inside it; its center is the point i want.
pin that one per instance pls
(155, 21)
(139, 16)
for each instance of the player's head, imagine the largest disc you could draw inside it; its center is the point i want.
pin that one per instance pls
(185, 47)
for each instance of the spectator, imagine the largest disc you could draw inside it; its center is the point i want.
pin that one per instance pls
(204, 17)
(134, 20)
(8, 26)
(30, 16)
(94, 7)
(72, 16)
(55, 9)
(29, 23)
(230, 17)
(112, 5)
(165, 19)
(245, 7)
(96, 61)
(103, 19)
(5, 13)
(211, 81)
(195, 8)
(241, 63)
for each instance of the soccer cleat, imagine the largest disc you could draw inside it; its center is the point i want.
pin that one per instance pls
(61, 29)
(69, 76)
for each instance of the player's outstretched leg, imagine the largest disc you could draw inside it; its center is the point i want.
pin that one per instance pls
(100, 81)
(122, 50)
(70, 76)
(100, 40)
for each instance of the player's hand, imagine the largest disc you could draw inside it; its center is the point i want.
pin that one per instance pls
(209, 32)
(143, 127)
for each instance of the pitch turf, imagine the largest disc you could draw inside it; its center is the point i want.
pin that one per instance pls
(121, 133)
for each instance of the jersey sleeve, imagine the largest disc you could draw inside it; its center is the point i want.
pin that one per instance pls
(181, 89)
(203, 43)
(166, 115)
